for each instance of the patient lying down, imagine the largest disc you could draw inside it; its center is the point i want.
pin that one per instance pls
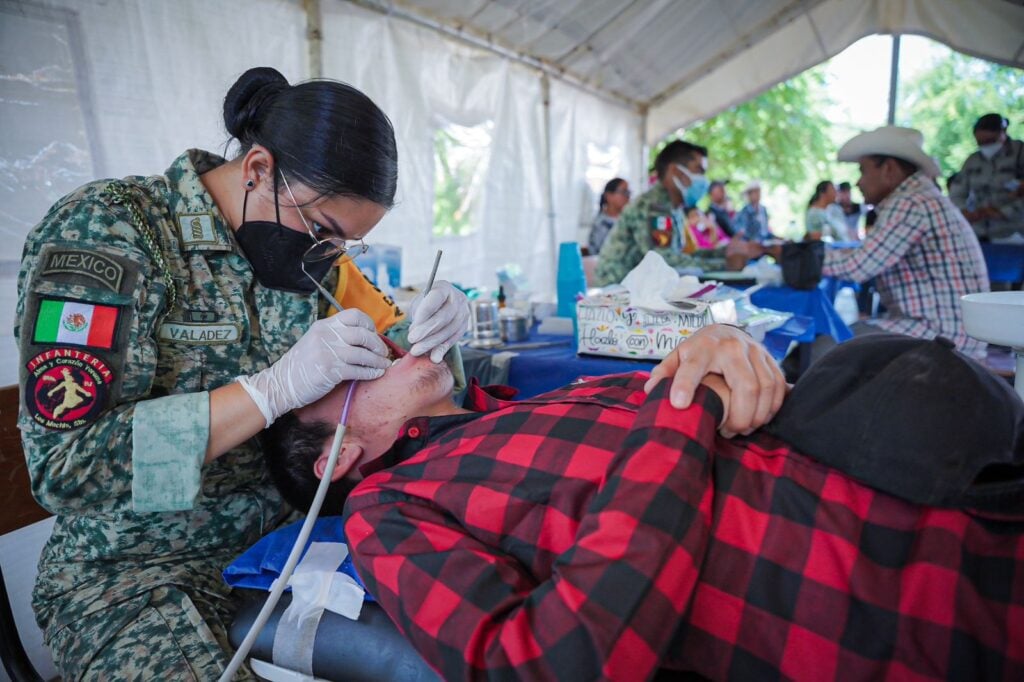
(596, 531)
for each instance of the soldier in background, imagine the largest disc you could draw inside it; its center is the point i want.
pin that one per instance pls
(186, 303)
(657, 219)
(988, 187)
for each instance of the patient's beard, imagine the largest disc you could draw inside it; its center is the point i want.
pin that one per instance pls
(433, 377)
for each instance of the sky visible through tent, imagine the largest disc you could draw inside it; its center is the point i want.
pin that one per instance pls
(859, 79)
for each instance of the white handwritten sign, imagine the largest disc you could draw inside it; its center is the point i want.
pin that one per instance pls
(610, 326)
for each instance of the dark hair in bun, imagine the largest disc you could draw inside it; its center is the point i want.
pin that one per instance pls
(323, 133)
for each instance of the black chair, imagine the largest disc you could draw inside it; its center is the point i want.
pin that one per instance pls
(369, 649)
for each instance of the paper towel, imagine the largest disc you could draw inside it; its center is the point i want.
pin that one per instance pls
(654, 283)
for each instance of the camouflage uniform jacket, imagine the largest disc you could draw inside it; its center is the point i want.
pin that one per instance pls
(993, 182)
(648, 224)
(134, 301)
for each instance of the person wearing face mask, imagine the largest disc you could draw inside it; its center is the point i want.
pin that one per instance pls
(656, 221)
(165, 321)
(987, 188)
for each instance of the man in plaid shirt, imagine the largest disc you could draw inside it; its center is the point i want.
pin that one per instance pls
(922, 251)
(599, 532)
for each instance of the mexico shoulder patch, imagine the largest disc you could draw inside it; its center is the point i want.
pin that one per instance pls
(66, 388)
(77, 323)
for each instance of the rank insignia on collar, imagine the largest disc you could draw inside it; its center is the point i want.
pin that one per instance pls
(196, 229)
(66, 388)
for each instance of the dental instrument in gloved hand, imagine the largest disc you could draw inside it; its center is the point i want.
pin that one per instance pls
(440, 316)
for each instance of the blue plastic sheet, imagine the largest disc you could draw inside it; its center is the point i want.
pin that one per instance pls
(814, 304)
(262, 563)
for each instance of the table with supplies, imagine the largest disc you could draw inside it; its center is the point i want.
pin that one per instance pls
(545, 362)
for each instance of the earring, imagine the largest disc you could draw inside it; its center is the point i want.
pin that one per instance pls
(249, 184)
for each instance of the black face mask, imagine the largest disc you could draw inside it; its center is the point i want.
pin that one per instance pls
(275, 253)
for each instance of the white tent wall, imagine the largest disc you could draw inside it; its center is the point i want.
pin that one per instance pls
(582, 123)
(423, 79)
(107, 88)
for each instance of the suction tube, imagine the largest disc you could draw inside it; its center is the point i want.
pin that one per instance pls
(300, 544)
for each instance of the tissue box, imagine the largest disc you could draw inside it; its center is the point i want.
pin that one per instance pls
(608, 325)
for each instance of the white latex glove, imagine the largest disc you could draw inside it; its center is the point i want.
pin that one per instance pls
(339, 348)
(439, 320)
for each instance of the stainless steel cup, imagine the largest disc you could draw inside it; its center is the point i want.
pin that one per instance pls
(486, 331)
(514, 327)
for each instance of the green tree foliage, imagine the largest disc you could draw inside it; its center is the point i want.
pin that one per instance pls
(779, 137)
(945, 101)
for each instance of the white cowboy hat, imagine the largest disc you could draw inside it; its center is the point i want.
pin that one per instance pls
(902, 143)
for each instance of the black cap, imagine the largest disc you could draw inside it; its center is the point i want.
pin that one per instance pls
(913, 418)
(996, 122)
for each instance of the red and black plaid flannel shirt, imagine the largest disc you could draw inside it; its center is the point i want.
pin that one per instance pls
(594, 532)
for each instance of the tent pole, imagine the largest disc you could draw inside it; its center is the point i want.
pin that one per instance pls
(314, 38)
(894, 78)
(644, 152)
(549, 172)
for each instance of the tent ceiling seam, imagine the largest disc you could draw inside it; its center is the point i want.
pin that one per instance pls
(788, 15)
(471, 36)
(585, 43)
(817, 35)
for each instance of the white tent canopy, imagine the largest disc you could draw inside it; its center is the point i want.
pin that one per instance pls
(685, 61)
(566, 92)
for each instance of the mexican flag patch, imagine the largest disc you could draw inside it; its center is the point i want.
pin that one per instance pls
(76, 323)
(661, 230)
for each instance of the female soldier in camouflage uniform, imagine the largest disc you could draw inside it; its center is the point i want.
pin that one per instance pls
(175, 311)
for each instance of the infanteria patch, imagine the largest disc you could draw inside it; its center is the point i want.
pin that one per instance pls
(66, 388)
(91, 264)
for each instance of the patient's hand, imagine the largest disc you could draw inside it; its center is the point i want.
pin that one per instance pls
(716, 382)
(739, 252)
(756, 385)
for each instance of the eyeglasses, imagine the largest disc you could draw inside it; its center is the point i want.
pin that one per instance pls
(336, 249)
(624, 192)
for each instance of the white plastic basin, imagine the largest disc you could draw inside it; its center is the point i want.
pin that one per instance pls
(995, 317)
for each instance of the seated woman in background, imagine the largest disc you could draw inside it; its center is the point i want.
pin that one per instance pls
(824, 218)
(703, 230)
(613, 199)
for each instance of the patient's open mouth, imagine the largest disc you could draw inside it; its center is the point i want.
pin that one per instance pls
(394, 350)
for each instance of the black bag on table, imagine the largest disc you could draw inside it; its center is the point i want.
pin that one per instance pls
(802, 263)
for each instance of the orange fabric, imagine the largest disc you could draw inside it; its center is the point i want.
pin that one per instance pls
(354, 290)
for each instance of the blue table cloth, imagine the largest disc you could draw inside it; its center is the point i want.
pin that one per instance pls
(538, 370)
(1005, 261)
(813, 303)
